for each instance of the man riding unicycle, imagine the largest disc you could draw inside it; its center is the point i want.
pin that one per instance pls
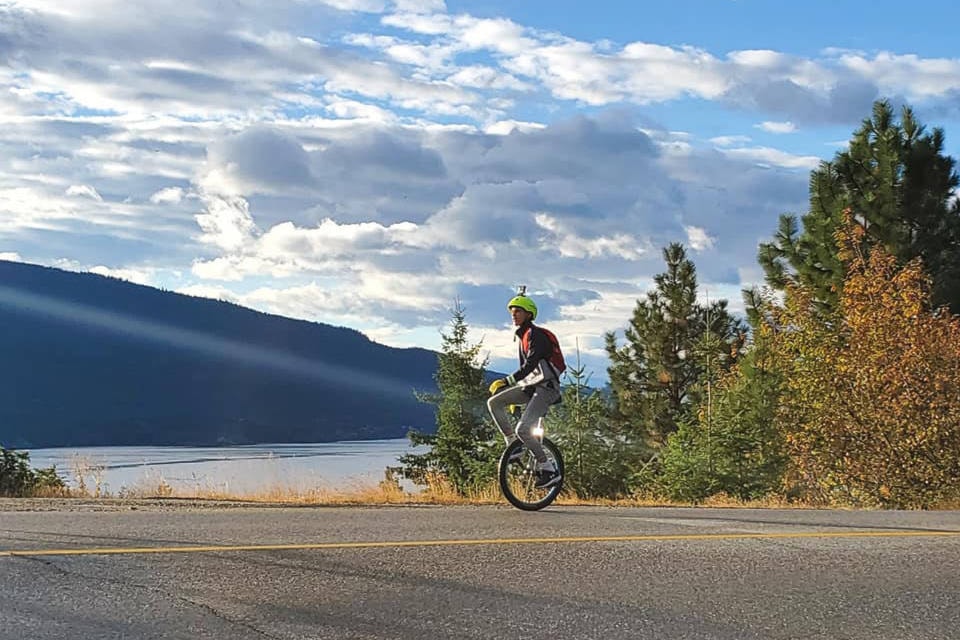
(536, 385)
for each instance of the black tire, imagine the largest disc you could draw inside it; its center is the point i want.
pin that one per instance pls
(518, 476)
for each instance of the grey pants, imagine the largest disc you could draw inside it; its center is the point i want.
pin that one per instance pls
(536, 408)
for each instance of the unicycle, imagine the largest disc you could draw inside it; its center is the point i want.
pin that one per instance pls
(517, 474)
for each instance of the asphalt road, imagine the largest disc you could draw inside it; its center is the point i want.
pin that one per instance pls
(425, 573)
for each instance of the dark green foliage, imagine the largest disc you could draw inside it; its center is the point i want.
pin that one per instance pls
(464, 449)
(895, 178)
(597, 457)
(18, 479)
(47, 480)
(733, 444)
(654, 376)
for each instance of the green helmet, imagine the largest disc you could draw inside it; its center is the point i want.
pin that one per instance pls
(524, 303)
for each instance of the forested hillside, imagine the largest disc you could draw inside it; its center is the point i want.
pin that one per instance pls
(91, 360)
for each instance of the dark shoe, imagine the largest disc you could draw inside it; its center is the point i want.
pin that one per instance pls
(547, 478)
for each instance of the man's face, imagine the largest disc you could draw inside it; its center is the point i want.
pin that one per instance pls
(519, 315)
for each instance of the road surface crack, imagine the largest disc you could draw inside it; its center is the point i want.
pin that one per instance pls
(150, 589)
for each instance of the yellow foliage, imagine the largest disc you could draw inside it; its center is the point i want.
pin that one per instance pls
(872, 408)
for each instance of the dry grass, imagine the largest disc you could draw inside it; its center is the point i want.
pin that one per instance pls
(49, 492)
(389, 492)
(947, 505)
(88, 483)
(437, 492)
(87, 475)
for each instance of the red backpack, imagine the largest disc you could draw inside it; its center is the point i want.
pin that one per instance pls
(556, 356)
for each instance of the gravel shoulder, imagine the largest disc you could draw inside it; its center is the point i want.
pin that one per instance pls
(153, 504)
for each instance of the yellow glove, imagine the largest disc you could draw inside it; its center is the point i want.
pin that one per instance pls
(496, 385)
(514, 409)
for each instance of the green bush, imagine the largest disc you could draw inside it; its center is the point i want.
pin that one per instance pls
(597, 459)
(18, 479)
(732, 445)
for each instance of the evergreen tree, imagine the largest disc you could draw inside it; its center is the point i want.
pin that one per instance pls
(734, 444)
(464, 449)
(653, 378)
(597, 458)
(895, 178)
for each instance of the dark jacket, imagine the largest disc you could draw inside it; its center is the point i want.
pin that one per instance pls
(538, 352)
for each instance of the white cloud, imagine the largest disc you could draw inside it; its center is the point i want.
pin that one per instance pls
(917, 77)
(85, 191)
(777, 127)
(430, 56)
(230, 268)
(774, 157)
(332, 239)
(369, 6)
(436, 24)
(275, 61)
(505, 127)
(833, 87)
(237, 63)
(570, 245)
(729, 141)
(168, 195)
(356, 110)
(10, 256)
(31, 207)
(208, 291)
(226, 223)
(286, 249)
(698, 238)
(137, 276)
(419, 6)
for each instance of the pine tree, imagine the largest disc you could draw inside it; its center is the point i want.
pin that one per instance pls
(734, 445)
(895, 178)
(463, 450)
(597, 459)
(653, 376)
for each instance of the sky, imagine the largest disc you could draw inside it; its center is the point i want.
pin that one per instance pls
(366, 163)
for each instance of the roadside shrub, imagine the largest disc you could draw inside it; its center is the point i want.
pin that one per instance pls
(18, 479)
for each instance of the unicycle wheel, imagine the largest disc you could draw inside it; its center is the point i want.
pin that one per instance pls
(517, 475)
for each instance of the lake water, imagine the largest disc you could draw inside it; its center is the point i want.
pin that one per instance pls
(234, 470)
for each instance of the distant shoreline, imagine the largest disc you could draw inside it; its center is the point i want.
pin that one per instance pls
(220, 445)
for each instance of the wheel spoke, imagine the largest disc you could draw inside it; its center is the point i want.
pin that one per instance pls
(518, 479)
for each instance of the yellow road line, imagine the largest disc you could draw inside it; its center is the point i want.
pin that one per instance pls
(466, 542)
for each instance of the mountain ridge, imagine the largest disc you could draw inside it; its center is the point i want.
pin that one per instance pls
(95, 360)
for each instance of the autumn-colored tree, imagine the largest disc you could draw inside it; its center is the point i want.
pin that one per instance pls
(871, 406)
